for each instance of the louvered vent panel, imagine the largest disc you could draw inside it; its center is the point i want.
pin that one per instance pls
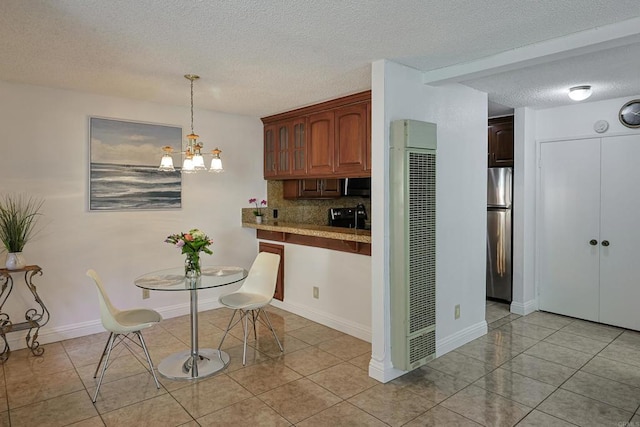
(422, 346)
(422, 225)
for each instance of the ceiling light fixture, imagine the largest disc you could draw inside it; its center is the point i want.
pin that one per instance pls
(580, 93)
(193, 160)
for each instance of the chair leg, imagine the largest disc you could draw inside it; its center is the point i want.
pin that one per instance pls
(254, 318)
(273, 331)
(146, 353)
(246, 332)
(95, 374)
(227, 330)
(112, 338)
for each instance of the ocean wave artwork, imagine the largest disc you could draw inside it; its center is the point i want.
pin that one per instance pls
(124, 173)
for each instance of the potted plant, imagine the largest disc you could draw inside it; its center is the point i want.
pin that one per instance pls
(18, 217)
(257, 211)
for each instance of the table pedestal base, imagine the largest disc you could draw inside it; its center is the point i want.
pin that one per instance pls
(178, 365)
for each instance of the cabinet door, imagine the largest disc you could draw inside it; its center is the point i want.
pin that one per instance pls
(270, 168)
(569, 219)
(310, 188)
(330, 188)
(619, 266)
(279, 250)
(501, 142)
(320, 144)
(368, 159)
(299, 147)
(350, 139)
(283, 161)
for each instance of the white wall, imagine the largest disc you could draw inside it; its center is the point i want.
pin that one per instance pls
(461, 116)
(344, 283)
(44, 136)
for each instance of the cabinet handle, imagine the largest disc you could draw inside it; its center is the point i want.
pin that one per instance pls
(605, 243)
(593, 242)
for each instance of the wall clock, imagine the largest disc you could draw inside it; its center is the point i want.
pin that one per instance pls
(630, 114)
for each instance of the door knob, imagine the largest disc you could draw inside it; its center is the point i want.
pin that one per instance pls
(605, 243)
(593, 242)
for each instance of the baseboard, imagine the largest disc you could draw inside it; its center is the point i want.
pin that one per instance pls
(384, 374)
(460, 338)
(331, 321)
(49, 335)
(525, 308)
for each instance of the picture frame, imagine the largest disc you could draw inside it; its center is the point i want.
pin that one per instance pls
(124, 159)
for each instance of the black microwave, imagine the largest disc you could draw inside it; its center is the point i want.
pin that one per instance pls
(357, 187)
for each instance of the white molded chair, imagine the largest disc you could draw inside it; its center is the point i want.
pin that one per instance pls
(255, 293)
(120, 323)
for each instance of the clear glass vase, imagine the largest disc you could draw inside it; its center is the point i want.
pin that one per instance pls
(192, 266)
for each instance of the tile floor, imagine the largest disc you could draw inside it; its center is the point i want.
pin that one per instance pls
(538, 370)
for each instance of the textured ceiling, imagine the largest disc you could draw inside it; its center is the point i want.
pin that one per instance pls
(260, 57)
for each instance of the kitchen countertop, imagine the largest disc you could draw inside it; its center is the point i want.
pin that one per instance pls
(337, 233)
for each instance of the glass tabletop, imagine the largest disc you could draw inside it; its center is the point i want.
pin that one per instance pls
(172, 279)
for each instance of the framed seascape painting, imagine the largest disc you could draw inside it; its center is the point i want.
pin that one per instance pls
(124, 166)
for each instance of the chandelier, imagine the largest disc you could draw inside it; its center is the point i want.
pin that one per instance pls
(192, 157)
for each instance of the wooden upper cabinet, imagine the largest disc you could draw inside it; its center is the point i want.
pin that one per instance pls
(320, 143)
(500, 142)
(270, 168)
(299, 147)
(283, 158)
(350, 141)
(367, 166)
(311, 188)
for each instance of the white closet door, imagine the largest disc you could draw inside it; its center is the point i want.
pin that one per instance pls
(620, 226)
(570, 219)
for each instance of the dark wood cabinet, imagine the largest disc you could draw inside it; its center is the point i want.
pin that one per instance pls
(279, 250)
(500, 142)
(331, 139)
(350, 140)
(311, 188)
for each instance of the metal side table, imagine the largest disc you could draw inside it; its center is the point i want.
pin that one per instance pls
(35, 318)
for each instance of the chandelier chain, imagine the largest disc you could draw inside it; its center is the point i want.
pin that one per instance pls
(192, 106)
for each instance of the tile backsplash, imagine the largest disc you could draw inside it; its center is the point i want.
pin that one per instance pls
(313, 211)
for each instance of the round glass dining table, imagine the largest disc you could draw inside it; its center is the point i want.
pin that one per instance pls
(197, 362)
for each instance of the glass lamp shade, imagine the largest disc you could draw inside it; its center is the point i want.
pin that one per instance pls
(198, 163)
(580, 93)
(166, 164)
(216, 165)
(187, 165)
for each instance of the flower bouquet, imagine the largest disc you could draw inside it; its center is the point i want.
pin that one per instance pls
(191, 243)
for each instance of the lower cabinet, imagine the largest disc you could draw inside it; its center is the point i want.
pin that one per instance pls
(279, 250)
(311, 189)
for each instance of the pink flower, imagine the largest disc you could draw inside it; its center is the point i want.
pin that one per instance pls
(188, 237)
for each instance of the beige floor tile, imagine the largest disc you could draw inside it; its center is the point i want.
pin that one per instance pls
(611, 392)
(346, 347)
(621, 353)
(59, 411)
(361, 362)
(43, 387)
(309, 360)
(430, 383)
(158, 411)
(516, 343)
(4, 419)
(4, 402)
(91, 422)
(299, 399)
(344, 380)
(487, 352)
(635, 420)
(393, 404)
(119, 368)
(159, 352)
(250, 412)
(92, 340)
(576, 342)
(614, 370)
(190, 424)
(629, 339)
(235, 357)
(89, 355)
(547, 320)
(206, 396)
(539, 369)
(592, 330)
(461, 366)
(540, 419)
(583, 411)
(125, 391)
(342, 414)
(528, 330)
(23, 365)
(268, 345)
(441, 416)
(558, 354)
(315, 334)
(486, 408)
(264, 376)
(502, 321)
(516, 387)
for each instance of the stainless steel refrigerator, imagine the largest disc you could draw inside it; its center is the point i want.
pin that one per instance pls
(499, 197)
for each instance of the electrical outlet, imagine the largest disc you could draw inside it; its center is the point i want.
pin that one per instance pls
(145, 294)
(316, 292)
(456, 313)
